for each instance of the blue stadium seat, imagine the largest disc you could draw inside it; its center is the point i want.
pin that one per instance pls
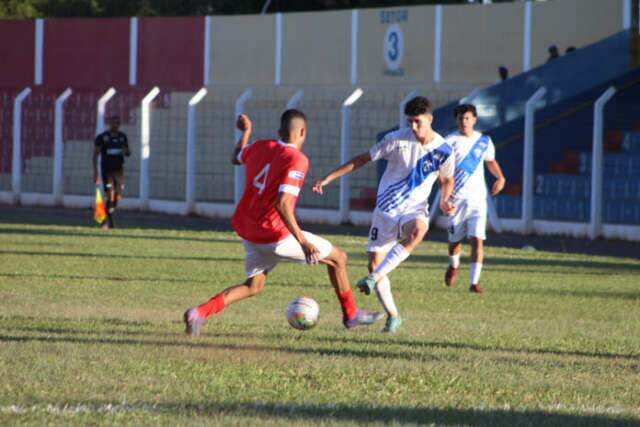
(509, 206)
(561, 209)
(631, 142)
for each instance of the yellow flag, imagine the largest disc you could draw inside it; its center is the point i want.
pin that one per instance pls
(100, 212)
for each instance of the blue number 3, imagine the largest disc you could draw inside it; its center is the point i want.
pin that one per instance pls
(393, 52)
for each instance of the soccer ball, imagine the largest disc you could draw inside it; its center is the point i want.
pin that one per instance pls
(303, 313)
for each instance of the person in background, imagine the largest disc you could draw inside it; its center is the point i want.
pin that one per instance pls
(112, 146)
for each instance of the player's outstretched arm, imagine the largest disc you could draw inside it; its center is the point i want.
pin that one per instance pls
(285, 205)
(243, 124)
(496, 171)
(355, 163)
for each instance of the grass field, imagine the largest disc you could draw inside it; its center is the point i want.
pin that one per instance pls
(91, 333)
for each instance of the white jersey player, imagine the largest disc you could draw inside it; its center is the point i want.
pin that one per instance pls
(416, 158)
(472, 151)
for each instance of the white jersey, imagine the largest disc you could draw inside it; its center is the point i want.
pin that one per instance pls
(411, 171)
(470, 153)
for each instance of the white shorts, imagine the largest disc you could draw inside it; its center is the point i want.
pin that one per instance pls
(386, 230)
(263, 257)
(469, 220)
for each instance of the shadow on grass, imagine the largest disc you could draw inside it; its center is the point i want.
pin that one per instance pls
(112, 255)
(312, 413)
(199, 344)
(478, 347)
(574, 293)
(574, 265)
(413, 345)
(118, 234)
(103, 278)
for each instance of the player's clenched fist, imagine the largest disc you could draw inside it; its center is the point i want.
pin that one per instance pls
(243, 123)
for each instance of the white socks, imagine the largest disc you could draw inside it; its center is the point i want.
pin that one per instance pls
(454, 260)
(396, 255)
(383, 290)
(474, 272)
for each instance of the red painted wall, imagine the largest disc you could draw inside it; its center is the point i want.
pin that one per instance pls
(86, 53)
(170, 53)
(17, 46)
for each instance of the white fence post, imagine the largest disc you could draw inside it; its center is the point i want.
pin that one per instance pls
(145, 151)
(437, 44)
(626, 14)
(207, 51)
(16, 161)
(295, 99)
(402, 121)
(238, 182)
(133, 51)
(102, 104)
(58, 145)
(278, 50)
(38, 52)
(526, 37)
(528, 160)
(595, 225)
(354, 47)
(191, 150)
(345, 141)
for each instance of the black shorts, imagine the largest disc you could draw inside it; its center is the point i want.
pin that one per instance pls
(113, 180)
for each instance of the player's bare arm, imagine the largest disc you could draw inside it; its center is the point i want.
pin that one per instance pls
(244, 125)
(355, 163)
(96, 153)
(496, 171)
(285, 204)
(446, 188)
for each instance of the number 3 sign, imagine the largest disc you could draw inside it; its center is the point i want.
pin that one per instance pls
(393, 47)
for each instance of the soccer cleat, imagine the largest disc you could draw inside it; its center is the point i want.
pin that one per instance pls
(362, 317)
(392, 324)
(366, 284)
(193, 322)
(476, 289)
(450, 276)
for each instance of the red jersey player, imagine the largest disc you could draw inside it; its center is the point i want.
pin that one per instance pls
(265, 220)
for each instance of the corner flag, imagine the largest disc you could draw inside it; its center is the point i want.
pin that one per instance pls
(100, 212)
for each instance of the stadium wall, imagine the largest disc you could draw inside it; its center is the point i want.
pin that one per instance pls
(171, 53)
(17, 44)
(384, 46)
(391, 50)
(85, 53)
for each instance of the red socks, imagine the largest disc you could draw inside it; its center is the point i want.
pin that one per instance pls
(216, 305)
(348, 304)
(213, 306)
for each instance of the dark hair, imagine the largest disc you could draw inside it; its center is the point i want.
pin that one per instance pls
(465, 108)
(290, 115)
(418, 105)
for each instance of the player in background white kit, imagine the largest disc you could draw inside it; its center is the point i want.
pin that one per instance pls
(471, 149)
(416, 157)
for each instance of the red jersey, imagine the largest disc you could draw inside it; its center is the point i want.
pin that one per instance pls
(271, 167)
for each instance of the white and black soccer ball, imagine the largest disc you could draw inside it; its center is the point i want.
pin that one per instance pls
(303, 313)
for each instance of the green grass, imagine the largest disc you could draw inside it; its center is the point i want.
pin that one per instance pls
(91, 333)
